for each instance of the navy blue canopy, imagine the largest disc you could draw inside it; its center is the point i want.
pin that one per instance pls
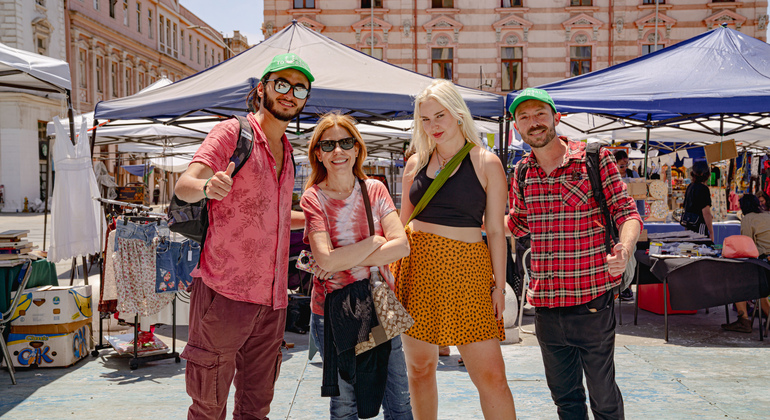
(719, 72)
(346, 80)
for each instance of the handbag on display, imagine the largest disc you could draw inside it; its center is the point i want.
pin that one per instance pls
(739, 246)
(394, 319)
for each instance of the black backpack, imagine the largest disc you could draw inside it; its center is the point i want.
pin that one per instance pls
(191, 220)
(611, 234)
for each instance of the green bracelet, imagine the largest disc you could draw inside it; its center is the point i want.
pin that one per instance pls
(204, 188)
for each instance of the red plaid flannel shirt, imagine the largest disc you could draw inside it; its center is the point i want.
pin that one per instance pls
(569, 265)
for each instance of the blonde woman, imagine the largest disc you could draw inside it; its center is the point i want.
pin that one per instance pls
(337, 230)
(455, 288)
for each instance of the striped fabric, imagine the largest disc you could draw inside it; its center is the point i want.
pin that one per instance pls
(568, 253)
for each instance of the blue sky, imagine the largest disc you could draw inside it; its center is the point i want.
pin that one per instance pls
(246, 16)
(227, 16)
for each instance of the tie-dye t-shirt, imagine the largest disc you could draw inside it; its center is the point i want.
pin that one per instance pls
(345, 221)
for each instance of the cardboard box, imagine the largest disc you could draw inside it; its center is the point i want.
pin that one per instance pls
(637, 190)
(651, 299)
(47, 305)
(720, 151)
(58, 348)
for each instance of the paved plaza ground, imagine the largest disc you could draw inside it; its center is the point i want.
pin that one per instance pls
(702, 372)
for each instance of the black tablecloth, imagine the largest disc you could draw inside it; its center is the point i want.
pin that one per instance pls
(698, 283)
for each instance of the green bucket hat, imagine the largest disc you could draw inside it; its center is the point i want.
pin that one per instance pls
(288, 61)
(531, 93)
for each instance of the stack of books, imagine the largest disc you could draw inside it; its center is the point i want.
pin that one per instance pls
(14, 245)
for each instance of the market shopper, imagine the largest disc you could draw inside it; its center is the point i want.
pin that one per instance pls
(572, 276)
(337, 230)
(697, 199)
(456, 285)
(621, 158)
(238, 299)
(756, 225)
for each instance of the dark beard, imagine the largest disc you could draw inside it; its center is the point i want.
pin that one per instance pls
(271, 108)
(550, 134)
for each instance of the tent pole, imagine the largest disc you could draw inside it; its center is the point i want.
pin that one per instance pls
(93, 136)
(47, 190)
(647, 146)
(505, 138)
(501, 133)
(71, 116)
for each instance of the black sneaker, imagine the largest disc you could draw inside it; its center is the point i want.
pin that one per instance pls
(627, 295)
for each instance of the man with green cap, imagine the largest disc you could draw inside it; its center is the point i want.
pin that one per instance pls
(238, 299)
(573, 277)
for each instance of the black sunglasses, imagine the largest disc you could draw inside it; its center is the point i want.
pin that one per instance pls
(329, 145)
(283, 87)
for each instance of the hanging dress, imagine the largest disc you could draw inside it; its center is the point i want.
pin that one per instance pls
(77, 221)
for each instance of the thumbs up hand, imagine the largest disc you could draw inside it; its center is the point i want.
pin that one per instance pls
(220, 184)
(616, 263)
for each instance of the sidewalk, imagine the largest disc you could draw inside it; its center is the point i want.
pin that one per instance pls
(702, 373)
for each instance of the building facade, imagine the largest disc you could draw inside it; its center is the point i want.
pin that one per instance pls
(506, 45)
(37, 26)
(119, 47)
(236, 44)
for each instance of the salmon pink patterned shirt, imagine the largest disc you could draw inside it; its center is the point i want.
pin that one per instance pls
(345, 221)
(246, 254)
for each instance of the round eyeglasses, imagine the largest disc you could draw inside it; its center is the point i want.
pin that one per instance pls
(283, 87)
(329, 145)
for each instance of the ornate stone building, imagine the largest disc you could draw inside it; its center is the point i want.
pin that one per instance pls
(36, 26)
(119, 47)
(238, 43)
(504, 45)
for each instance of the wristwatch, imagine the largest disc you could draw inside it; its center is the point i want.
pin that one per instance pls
(502, 289)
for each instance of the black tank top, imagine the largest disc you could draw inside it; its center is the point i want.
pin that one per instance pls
(460, 202)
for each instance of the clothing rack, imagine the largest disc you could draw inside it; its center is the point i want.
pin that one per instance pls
(140, 211)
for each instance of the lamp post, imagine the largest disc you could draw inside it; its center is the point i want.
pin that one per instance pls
(215, 36)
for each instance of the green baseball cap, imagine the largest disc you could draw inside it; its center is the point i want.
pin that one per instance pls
(531, 93)
(288, 61)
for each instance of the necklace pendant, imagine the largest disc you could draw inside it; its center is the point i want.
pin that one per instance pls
(438, 171)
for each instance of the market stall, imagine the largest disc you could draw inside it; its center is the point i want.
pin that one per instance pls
(708, 98)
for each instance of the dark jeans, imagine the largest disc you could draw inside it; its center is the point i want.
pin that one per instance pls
(574, 340)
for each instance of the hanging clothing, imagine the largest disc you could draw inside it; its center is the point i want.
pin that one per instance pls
(77, 221)
(135, 267)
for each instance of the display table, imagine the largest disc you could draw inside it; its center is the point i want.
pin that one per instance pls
(43, 274)
(704, 282)
(721, 229)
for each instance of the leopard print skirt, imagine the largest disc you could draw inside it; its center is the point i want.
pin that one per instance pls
(445, 285)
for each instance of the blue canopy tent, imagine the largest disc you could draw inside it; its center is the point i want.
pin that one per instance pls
(348, 80)
(715, 84)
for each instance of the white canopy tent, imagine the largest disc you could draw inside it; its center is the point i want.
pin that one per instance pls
(21, 69)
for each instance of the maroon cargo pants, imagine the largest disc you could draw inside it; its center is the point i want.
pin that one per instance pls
(231, 339)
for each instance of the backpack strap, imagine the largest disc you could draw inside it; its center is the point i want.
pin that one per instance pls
(521, 178)
(241, 154)
(244, 145)
(594, 176)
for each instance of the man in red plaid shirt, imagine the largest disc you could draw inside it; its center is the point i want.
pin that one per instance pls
(572, 275)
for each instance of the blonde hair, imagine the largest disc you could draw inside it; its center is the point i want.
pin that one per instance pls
(445, 93)
(318, 170)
